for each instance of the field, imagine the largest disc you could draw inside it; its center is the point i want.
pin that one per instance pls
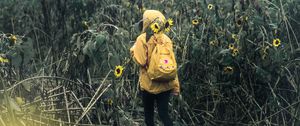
(238, 62)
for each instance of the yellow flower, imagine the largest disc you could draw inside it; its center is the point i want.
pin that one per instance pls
(168, 25)
(210, 6)
(85, 25)
(276, 42)
(235, 52)
(118, 71)
(228, 70)
(239, 22)
(155, 27)
(231, 46)
(214, 42)
(110, 102)
(235, 37)
(245, 18)
(195, 22)
(3, 60)
(211, 42)
(13, 38)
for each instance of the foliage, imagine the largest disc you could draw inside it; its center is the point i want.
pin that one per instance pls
(238, 61)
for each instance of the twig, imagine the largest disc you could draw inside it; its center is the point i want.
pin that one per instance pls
(66, 103)
(35, 121)
(245, 107)
(54, 89)
(55, 120)
(93, 100)
(2, 122)
(38, 77)
(69, 109)
(286, 25)
(278, 111)
(82, 108)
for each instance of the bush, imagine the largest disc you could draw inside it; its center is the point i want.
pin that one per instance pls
(238, 61)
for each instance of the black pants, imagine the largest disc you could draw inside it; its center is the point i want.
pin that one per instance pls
(162, 101)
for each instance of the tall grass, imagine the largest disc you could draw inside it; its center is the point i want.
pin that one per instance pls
(232, 70)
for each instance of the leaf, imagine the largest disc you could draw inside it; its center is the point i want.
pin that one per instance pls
(273, 26)
(20, 100)
(15, 58)
(14, 105)
(81, 58)
(22, 53)
(258, 20)
(27, 50)
(224, 57)
(27, 86)
(100, 40)
(139, 109)
(113, 60)
(296, 54)
(32, 108)
(87, 49)
(224, 51)
(262, 74)
(122, 34)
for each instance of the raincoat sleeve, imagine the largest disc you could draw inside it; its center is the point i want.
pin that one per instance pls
(138, 51)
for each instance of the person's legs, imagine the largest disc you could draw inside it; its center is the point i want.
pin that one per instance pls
(162, 106)
(148, 101)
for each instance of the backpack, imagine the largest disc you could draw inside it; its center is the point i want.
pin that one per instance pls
(162, 64)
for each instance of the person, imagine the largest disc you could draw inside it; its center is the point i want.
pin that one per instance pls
(153, 91)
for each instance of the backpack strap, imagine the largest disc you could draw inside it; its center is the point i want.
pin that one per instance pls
(146, 64)
(147, 52)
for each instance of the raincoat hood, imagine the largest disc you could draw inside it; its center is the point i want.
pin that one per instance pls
(150, 16)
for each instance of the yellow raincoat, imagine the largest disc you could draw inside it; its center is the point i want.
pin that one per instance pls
(138, 50)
